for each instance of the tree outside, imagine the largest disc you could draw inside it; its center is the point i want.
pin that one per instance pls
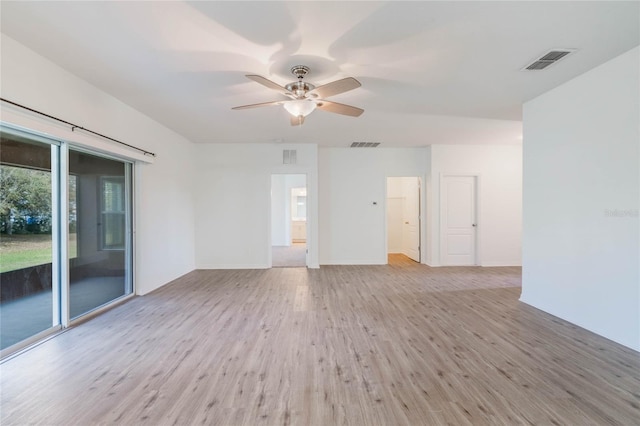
(25, 217)
(25, 201)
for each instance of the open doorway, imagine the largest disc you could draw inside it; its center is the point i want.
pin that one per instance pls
(403, 218)
(289, 220)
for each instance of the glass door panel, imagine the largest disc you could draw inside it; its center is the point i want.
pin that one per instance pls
(99, 223)
(27, 238)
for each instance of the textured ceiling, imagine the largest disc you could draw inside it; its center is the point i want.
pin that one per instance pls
(431, 72)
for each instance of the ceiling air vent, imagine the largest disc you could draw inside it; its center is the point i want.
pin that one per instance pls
(289, 156)
(364, 144)
(549, 58)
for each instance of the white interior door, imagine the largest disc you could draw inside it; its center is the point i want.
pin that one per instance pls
(458, 220)
(411, 218)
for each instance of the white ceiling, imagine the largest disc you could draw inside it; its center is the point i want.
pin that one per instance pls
(431, 72)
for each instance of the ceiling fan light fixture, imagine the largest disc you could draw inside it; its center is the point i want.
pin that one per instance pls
(300, 107)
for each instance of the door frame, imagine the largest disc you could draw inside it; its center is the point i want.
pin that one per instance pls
(478, 221)
(421, 217)
(310, 216)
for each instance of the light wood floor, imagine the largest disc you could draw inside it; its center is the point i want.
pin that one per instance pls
(402, 344)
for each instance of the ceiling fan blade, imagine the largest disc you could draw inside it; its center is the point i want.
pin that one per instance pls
(259, 105)
(336, 87)
(270, 84)
(340, 108)
(297, 121)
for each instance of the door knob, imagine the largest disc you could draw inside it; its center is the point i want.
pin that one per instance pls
(473, 224)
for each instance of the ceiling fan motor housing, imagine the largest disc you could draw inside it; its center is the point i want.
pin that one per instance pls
(300, 88)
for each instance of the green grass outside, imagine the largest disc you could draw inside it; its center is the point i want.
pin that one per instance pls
(23, 251)
(24, 259)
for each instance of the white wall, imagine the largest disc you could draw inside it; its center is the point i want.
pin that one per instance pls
(164, 206)
(233, 204)
(279, 234)
(281, 186)
(582, 188)
(499, 199)
(353, 228)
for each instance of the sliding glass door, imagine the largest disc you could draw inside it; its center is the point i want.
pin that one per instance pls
(65, 235)
(99, 221)
(28, 195)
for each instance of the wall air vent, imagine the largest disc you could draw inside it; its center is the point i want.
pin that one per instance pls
(289, 156)
(549, 58)
(364, 144)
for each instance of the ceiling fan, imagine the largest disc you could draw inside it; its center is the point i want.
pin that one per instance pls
(304, 97)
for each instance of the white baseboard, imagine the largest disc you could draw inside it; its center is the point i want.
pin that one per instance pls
(312, 266)
(544, 307)
(234, 266)
(353, 262)
(502, 263)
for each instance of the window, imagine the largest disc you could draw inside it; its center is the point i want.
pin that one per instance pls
(101, 270)
(112, 191)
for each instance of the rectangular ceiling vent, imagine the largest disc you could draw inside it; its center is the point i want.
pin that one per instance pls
(549, 58)
(289, 156)
(364, 144)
